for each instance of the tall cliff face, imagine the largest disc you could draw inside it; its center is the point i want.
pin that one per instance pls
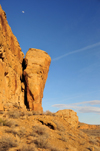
(11, 58)
(14, 87)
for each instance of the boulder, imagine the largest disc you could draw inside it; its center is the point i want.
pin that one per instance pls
(37, 64)
(69, 116)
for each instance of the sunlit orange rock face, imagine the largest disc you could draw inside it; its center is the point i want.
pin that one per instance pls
(85, 126)
(14, 87)
(11, 58)
(68, 115)
(37, 67)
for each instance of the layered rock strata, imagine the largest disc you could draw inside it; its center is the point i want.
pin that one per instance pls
(14, 87)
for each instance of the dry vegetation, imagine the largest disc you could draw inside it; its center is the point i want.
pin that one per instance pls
(7, 142)
(29, 131)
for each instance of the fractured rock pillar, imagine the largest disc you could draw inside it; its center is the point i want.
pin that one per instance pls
(36, 72)
(22, 81)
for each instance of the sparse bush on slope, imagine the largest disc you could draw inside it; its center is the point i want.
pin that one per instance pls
(7, 142)
(16, 114)
(49, 113)
(28, 148)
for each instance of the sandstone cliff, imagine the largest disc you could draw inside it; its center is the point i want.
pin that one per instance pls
(16, 85)
(21, 85)
(37, 66)
(11, 58)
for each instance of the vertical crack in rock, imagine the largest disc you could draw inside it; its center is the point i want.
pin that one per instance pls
(24, 64)
(25, 83)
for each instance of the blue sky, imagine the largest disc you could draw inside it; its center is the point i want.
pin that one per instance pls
(69, 31)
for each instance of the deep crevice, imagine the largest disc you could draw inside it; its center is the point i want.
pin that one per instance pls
(1, 56)
(24, 81)
(48, 124)
(25, 96)
(24, 64)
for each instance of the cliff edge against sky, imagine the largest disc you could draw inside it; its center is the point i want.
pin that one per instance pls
(22, 80)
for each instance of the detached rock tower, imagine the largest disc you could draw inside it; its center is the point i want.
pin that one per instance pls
(22, 80)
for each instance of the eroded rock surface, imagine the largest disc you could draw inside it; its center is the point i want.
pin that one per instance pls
(43, 133)
(68, 115)
(37, 66)
(88, 126)
(11, 58)
(22, 81)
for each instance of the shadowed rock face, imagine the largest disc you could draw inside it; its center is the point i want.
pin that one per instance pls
(37, 67)
(22, 81)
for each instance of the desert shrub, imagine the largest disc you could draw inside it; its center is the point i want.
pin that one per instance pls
(49, 113)
(22, 113)
(41, 138)
(36, 112)
(59, 125)
(28, 148)
(22, 132)
(55, 149)
(6, 143)
(16, 114)
(8, 123)
(13, 114)
(16, 105)
(10, 130)
(32, 133)
(40, 130)
(29, 113)
(41, 142)
(4, 122)
(1, 112)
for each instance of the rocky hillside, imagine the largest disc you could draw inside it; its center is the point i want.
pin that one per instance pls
(23, 130)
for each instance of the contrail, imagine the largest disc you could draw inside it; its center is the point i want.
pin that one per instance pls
(76, 51)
